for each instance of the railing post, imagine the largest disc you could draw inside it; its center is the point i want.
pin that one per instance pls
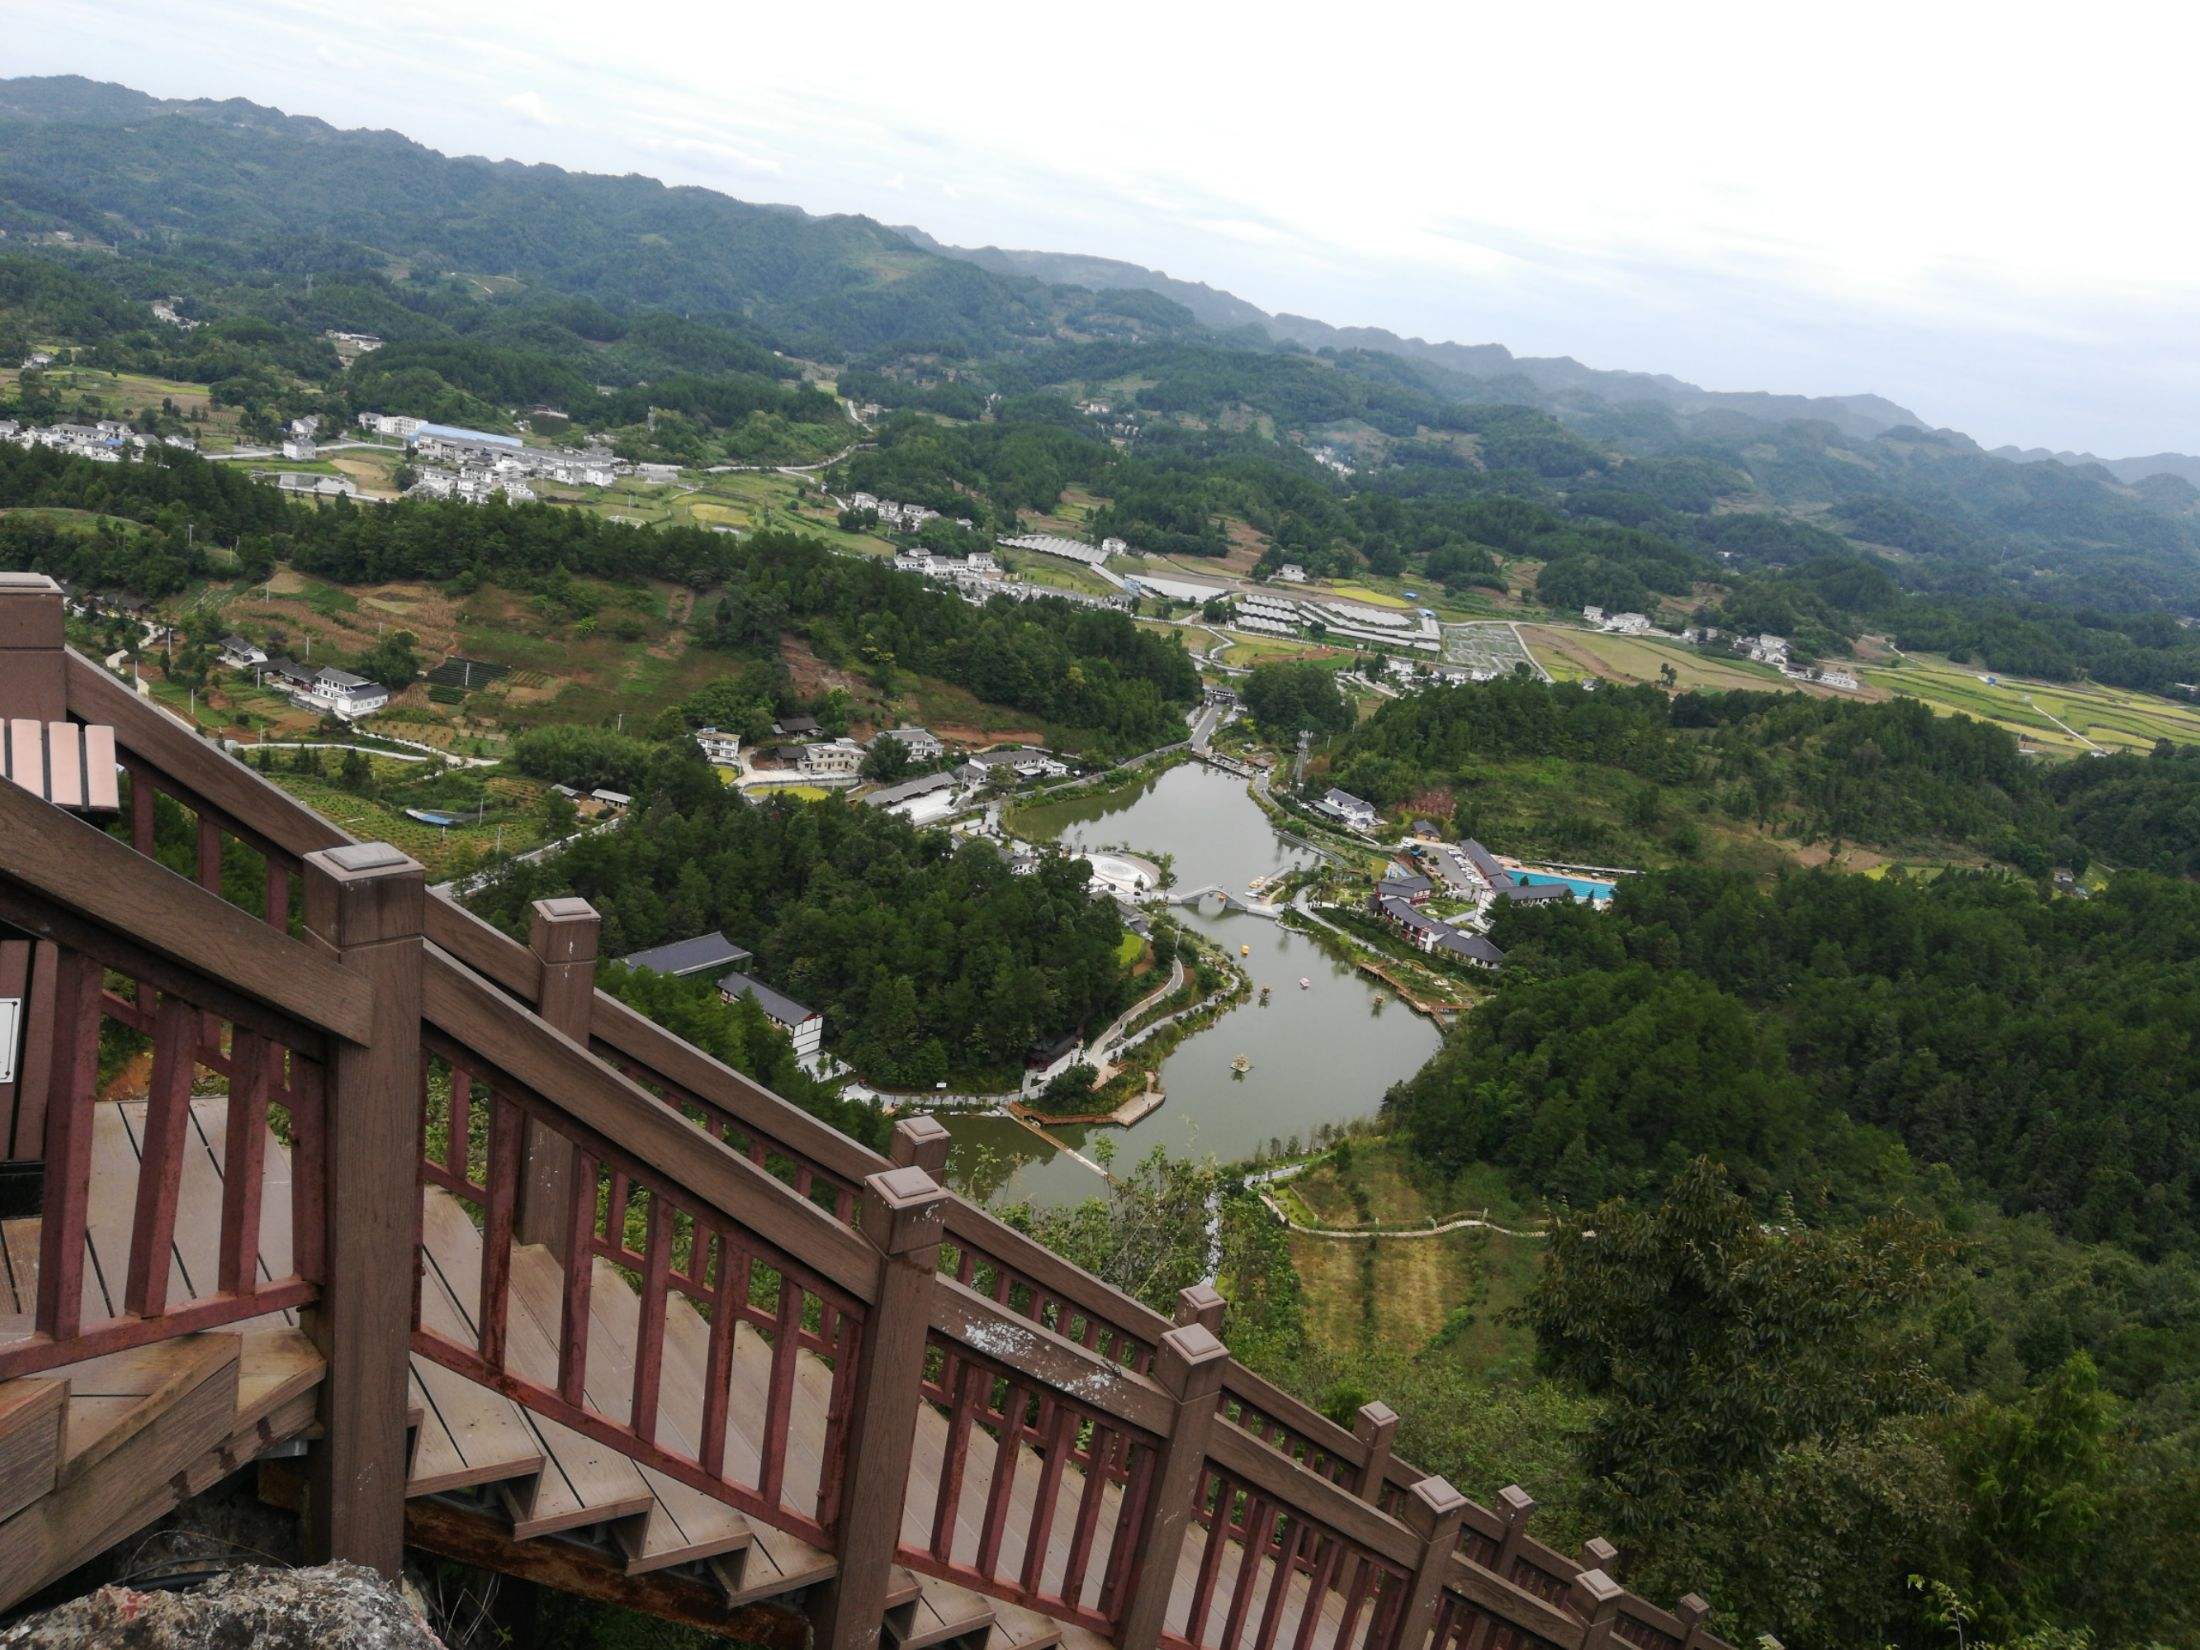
(1595, 1598)
(904, 1214)
(366, 903)
(921, 1142)
(1694, 1610)
(1202, 1304)
(1374, 1426)
(563, 937)
(1515, 1505)
(1188, 1363)
(1599, 1554)
(1433, 1510)
(33, 671)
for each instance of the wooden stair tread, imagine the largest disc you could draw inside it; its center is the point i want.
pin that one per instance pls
(274, 1365)
(780, 1563)
(946, 1614)
(469, 1435)
(582, 1482)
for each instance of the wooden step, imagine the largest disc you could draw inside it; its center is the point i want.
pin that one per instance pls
(682, 1525)
(274, 1365)
(135, 1421)
(32, 1412)
(943, 1614)
(581, 1483)
(778, 1564)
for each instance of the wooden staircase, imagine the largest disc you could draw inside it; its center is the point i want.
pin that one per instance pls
(92, 1453)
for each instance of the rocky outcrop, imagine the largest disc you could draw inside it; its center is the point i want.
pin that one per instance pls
(331, 1607)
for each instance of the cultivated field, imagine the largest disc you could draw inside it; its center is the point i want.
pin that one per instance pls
(2106, 718)
(1570, 655)
(1485, 647)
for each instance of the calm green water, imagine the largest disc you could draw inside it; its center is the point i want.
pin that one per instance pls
(1319, 1055)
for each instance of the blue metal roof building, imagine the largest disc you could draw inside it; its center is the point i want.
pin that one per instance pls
(451, 432)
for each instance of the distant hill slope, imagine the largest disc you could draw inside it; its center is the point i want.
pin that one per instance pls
(2130, 471)
(110, 164)
(1560, 376)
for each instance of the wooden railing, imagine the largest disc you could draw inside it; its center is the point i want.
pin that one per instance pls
(550, 1113)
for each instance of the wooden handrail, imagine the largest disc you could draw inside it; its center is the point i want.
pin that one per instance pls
(84, 870)
(466, 1008)
(1292, 1485)
(991, 1330)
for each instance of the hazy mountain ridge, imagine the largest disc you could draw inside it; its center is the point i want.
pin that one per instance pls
(1860, 415)
(2129, 471)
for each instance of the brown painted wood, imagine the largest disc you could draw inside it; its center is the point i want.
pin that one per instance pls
(1284, 1480)
(31, 1414)
(68, 1154)
(476, 1016)
(963, 1315)
(60, 859)
(1189, 1368)
(903, 1214)
(364, 906)
(244, 1167)
(153, 1234)
(562, 940)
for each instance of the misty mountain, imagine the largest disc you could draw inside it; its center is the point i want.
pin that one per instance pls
(2130, 471)
(1557, 379)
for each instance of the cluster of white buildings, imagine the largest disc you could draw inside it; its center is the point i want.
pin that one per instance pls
(712, 953)
(339, 693)
(1620, 624)
(474, 466)
(1265, 614)
(902, 518)
(104, 442)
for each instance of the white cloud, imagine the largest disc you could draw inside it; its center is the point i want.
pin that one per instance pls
(532, 106)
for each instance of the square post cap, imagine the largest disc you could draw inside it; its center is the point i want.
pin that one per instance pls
(1375, 1419)
(1202, 1304)
(922, 1141)
(1596, 1596)
(564, 930)
(1189, 1361)
(364, 892)
(1693, 1608)
(1431, 1504)
(903, 1210)
(1599, 1554)
(1515, 1503)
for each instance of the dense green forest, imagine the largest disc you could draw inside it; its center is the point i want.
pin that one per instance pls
(929, 959)
(2042, 1049)
(1890, 774)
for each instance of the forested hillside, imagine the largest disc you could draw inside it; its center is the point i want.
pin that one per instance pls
(499, 285)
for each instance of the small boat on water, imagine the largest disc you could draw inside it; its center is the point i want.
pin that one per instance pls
(1241, 1065)
(1264, 992)
(1245, 951)
(1305, 984)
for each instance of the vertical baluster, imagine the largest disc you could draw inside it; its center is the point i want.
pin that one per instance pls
(1279, 1586)
(277, 900)
(1089, 1506)
(1138, 1481)
(502, 1175)
(847, 1350)
(308, 1100)
(1060, 1437)
(579, 1262)
(209, 870)
(1317, 1593)
(458, 1149)
(844, 1205)
(244, 1163)
(1260, 1513)
(69, 1148)
(614, 1224)
(964, 1383)
(160, 1166)
(1355, 1597)
(1000, 1492)
(728, 1302)
(141, 810)
(649, 1346)
(779, 1392)
(1210, 1559)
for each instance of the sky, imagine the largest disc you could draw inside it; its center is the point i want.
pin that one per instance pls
(1971, 210)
